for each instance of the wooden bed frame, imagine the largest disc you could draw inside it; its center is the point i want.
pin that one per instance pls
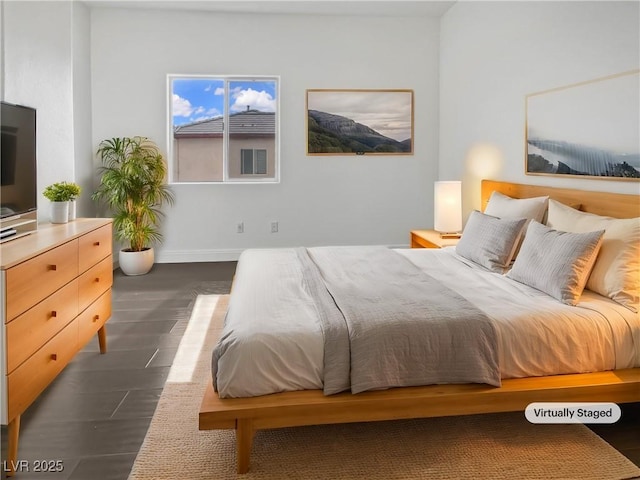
(311, 407)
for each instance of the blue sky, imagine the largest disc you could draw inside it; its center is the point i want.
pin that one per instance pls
(199, 98)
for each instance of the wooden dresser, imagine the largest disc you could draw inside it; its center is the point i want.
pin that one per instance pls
(55, 295)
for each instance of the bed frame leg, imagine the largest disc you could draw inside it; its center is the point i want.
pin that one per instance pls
(244, 441)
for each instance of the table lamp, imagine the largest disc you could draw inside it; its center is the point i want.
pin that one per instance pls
(447, 204)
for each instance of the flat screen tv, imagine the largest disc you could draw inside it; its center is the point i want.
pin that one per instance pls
(18, 187)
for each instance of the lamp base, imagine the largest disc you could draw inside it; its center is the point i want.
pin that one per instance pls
(449, 235)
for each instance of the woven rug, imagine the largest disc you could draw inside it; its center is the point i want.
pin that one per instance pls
(491, 446)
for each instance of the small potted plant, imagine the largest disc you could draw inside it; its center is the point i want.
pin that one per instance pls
(60, 194)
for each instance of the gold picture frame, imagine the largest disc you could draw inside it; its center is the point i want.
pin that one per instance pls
(585, 130)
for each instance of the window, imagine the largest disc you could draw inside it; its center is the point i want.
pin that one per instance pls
(223, 129)
(254, 162)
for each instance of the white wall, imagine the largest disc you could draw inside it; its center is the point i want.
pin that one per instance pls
(2, 49)
(495, 53)
(470, 72)
(85, 174)
(46, 66)
(320, 200)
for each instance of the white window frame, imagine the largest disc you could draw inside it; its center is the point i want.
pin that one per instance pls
(246, 179)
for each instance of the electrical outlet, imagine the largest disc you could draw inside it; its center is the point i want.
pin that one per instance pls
(274, 227)
(240, 227)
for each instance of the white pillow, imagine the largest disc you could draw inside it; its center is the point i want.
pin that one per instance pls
(557, 263)
(503, 206)
(490, 241)
(616, 273)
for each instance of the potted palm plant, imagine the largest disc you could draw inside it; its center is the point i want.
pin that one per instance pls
(132, 185)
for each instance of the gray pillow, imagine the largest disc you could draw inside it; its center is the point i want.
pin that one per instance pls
(555, 262)
(490, 241)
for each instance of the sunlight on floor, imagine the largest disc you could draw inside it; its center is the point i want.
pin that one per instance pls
(185, 361)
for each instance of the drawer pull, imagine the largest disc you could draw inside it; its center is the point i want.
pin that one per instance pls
(52, 267)
(96, 244)
(97, 279)
(54, 313)
(54, 356)
(96, 318)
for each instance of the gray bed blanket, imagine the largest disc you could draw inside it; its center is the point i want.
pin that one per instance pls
(388, 324)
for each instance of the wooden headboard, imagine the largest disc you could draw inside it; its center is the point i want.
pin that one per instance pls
(616, 205)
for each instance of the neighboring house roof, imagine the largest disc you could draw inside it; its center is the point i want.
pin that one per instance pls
(249, 122)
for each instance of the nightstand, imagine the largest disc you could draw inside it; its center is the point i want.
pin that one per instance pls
(430, 239)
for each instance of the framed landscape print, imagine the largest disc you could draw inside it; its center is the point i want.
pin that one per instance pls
(591, 129)
(359, 122)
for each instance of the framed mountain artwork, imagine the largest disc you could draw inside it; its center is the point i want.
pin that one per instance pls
(590, 129)
(359, 122)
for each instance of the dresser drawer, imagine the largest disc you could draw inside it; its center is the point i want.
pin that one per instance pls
(31, 330)
(94, 246)
(94, 282)
(40, 276)
(94, 318)
(32, 377)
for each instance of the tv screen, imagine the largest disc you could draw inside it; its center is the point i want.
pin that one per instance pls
(17, 159)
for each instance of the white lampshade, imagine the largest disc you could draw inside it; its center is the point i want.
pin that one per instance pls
(447, 205)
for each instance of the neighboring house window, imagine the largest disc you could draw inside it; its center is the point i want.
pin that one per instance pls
(254, 162)
(223, 129)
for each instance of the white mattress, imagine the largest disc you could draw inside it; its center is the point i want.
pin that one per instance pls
(277, 342)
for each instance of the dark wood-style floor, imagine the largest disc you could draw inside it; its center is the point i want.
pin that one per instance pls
(95, 415)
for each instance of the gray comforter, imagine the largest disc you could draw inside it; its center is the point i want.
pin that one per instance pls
(388, 324)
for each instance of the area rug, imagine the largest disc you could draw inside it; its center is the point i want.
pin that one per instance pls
(490, 446)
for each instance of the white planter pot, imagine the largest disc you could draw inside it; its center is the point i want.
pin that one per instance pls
(72, 210)
(136, 263)
(59, 212)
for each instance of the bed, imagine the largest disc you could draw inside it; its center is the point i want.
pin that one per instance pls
(307, 404)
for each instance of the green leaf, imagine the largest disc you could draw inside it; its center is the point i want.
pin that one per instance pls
(132, 185)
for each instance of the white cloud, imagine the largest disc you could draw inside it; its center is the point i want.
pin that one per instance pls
(181, 107)
(198, 110)
(219, 91)
(262, 101)
(198, 119)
